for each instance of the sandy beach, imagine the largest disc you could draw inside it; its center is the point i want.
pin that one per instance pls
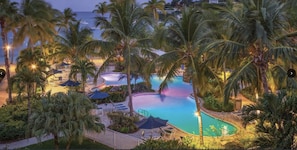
(51, 86)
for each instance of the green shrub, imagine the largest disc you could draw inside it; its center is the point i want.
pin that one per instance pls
(122, 123)
(142, 87)
(13, 120)
(249, 93)
(161, 144)
(211, 103)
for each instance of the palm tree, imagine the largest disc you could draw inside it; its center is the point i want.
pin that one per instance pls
(101, 8)
(126, 37)
(84, 68)
(37, 23)
(7, 11)
(31, 72)
(71, 42)
(153, 6)
(28, 58)
(276, 120)
(30, 78)
(182, 40)
(65, 18)
(259, 42)
(66, 114)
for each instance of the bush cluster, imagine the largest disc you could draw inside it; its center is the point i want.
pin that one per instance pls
(122, 123)
(13, 121)
(162, 144)
(211, 103)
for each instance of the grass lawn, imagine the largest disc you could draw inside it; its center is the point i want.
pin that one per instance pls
(87, 144)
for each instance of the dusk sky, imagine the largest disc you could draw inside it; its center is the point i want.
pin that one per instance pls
(80, 5)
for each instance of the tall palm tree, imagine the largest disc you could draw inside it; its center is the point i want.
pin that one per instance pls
(101, 8)
(276, 119)
(84, 68)
(7, 11)
(65, 18)
(31, 72)
(128, 34)
(153, 6)
(27, 58)
(259, 42)
(37, 23)
(71, 42)
(183, 38)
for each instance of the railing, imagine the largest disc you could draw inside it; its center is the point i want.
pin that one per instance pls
(143, 112)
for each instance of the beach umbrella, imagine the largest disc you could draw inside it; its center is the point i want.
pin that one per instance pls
(98, 95)
(151, 123)
(70, 83)
(63, 64)
(56, 71)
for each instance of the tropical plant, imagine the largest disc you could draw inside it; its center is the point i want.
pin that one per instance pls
(122, 123)
(8, 11)
(182, 39)
(71, 42)
(66, 114)
(258, 45)
(36, 23)
(162, 144)
(84, 68)
(276, 118)
(101, 8)
(153, 6)
(13, 120)
(126, 36)
(65, 18)
(28, 80)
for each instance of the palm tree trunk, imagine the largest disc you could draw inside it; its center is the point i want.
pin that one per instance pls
(129, 92)
(198, 113)
(83, 86)
(29, 87)
(56, 141)
(7, 65)
(130, 104)
(68, 143)
(264, 78)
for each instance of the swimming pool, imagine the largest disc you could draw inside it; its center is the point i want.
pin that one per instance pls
(175, 106)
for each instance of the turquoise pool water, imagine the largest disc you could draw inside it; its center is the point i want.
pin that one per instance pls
(175, 106)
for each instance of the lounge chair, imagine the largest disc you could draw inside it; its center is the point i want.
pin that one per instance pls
(150, 135)
(167, 132)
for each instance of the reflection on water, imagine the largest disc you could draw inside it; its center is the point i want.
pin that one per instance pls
(174, 105)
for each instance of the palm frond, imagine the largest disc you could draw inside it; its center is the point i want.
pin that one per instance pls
(246, 72)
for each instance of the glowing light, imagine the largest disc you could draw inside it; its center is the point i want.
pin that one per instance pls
(8, 47)
(196, 114)
(33, 66)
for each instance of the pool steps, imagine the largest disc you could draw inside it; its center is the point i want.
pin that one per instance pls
(143, 112)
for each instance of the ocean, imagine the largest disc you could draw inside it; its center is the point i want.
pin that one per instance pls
(87, 20)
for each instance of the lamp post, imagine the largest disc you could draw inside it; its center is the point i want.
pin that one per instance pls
(33, 67)
(7, 67)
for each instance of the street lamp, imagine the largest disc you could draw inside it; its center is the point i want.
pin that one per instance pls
(33, 67)
(7, 48)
